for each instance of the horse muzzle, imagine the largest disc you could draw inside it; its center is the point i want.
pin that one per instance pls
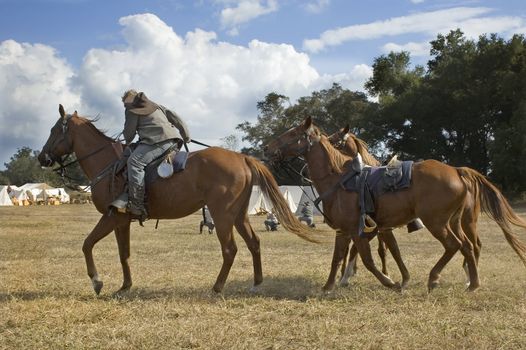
(45, 160)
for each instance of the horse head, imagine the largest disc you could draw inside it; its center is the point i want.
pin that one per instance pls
(60, 142)
(340, 138)
(294, 142)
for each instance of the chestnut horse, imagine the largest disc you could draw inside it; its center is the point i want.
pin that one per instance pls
(437, 196)
(349, 144)
(219, 178)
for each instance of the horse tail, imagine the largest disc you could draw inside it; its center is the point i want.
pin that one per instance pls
(493, 203)
(264, 178)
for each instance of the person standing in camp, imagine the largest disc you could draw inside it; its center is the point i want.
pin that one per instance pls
(156, 136)
(307, 215)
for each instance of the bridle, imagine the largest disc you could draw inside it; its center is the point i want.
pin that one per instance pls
(60, 160)
(341, 141)
(305, 135)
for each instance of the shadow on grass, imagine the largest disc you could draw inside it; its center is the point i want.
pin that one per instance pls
(280, 288)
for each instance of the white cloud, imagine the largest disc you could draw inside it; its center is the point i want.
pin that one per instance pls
(245, 11)
(417, 1)
(469, 19)
(34, 81)
(317, 6)
(213, 85)
(415, 49)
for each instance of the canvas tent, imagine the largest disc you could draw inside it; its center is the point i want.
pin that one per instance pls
(18, 196)
(258, 203)
(38, 192)
(4, 197)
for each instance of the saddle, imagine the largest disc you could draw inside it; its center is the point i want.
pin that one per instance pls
(372, 182)
(177, 160)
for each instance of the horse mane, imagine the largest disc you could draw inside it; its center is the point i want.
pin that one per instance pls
(363, 149)
(90, 123)
(337, 160)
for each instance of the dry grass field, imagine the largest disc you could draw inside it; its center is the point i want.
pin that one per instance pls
(47, 302)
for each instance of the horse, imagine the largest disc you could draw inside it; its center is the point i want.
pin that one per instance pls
(447, 186)
(349, 144)
(217, 177)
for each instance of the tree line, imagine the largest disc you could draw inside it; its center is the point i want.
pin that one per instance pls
(466, 107)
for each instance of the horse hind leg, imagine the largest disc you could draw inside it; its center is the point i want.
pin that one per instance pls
(244, 228)
(225, 235)
(122, 234)
(470, 261)
(450, 243)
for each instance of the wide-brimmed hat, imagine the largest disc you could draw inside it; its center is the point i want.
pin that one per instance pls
(138, 103)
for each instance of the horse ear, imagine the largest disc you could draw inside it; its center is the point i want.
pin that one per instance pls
(346, 129)
(61, 111)
(75, 114)
(308, 122)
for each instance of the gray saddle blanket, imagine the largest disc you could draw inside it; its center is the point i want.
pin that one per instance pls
(371, 182)
(380, 180)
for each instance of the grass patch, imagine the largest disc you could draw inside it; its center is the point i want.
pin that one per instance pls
(46, 299)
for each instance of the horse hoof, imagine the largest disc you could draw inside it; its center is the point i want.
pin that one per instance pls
(472, 288)
(217, 289)
(327, 289)
(97, 286)
(431, 286)
(345, 283)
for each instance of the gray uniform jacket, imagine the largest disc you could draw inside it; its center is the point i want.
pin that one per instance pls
(152, 128)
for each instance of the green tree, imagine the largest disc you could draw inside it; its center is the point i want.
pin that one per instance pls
(465, 109)
(24, 167)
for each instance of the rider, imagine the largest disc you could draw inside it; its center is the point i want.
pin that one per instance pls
(156, 136)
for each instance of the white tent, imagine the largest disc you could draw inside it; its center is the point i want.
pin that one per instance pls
(18, 195)
(289, 193)
(4, 197)
(42, 191)
(258, 203)
(59, 193)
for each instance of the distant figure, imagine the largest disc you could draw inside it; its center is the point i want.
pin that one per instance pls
(271, 224)
(207, 221)
(307, 215)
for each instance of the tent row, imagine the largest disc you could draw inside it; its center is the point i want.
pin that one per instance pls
(32, 193)
(296, 197)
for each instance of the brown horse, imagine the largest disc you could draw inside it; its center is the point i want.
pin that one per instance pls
(219, 178)
(349, 144)
(437, 196)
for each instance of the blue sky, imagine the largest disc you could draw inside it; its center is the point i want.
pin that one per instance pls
(210, 60)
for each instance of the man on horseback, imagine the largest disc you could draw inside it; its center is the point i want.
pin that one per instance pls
(157, 135)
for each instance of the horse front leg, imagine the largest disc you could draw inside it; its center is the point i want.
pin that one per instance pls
(387, 237)
(364, 249)
(122, 234)
(341, 245)
(105, 225)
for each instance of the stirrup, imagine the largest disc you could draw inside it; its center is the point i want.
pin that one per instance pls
(370, 225)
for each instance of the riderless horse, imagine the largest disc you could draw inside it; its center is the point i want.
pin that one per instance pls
(437, 196)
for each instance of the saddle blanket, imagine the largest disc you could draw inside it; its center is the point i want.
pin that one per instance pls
(380, 180)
